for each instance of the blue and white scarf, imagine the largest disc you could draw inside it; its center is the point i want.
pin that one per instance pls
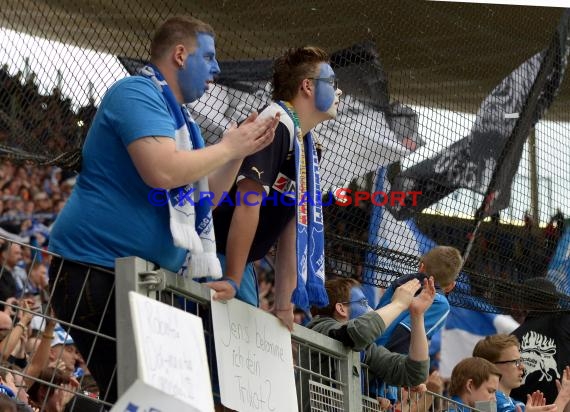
(7, 391)
(310, 238)
(191, 223)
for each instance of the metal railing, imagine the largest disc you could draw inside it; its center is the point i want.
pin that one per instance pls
(328, 375)
(324, 368)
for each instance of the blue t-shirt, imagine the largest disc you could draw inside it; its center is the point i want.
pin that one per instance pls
(109, 215)
(507, 404)
(434, 317)
(459, 407)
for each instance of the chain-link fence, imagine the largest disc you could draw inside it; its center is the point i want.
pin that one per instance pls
(451, 100)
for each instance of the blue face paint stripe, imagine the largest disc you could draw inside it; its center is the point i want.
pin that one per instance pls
(324, 91)
(199, 68)
(356, 308)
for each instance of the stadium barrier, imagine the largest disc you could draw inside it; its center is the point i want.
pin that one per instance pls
(327, 375)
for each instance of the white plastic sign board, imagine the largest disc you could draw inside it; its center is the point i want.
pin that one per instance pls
(254, 359)
(141, 397)
(171, 353)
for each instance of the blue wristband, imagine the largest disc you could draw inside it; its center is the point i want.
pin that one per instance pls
(233, 283)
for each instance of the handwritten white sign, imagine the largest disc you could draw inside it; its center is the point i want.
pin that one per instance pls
(171, 351)
(255, 360)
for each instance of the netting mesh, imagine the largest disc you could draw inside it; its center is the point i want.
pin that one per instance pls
(414, 77)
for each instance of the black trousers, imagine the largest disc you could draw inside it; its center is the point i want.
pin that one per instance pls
(85, 296)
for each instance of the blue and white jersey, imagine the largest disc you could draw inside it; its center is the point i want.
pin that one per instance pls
(507, 404)
(434, 317)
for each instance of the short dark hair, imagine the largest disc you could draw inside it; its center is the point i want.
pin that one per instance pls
(478, 370)
(177, 30)
(291, 68)
(338, 290)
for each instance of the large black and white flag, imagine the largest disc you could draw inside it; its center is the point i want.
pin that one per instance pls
(369, 132)
(487, 159)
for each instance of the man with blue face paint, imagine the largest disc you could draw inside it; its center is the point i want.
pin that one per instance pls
(199, 69)
(143, 138)
(305, 93)
(350, 320)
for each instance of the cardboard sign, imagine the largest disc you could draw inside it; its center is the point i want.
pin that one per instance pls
(171, 354)
(255, 360)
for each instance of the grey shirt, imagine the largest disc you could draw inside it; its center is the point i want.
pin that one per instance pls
(359, 334)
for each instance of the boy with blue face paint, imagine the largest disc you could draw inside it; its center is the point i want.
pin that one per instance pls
(305, 93)
(142, 138)
(325, 95)
(350, 320)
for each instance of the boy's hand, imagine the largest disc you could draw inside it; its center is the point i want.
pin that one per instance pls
(26, 316)
(404, 294)
(435, 383)
(224, 290)
(563, 385)
(536, 402)
(424, 300)
(286, 316)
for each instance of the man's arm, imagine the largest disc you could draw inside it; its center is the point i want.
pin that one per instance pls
(240, 237)
(286, 274)
(222, 179)
(40, 357)
(394, 368)
(418, 341)
(403, 296)
(160, 165)
(360, 332)
(257, 174)
(397, 369)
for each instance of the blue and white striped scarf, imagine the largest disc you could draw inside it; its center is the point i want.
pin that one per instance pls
(309, 218)
(191, 223)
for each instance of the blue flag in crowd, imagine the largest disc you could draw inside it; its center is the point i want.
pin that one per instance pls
(463, 327)
(559, 267)
(386, 232)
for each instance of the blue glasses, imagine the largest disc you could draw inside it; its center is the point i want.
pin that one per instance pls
(333, 81)
(363, 302)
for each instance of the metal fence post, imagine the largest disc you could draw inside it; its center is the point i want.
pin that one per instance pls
(127, 279)
(350, 372)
